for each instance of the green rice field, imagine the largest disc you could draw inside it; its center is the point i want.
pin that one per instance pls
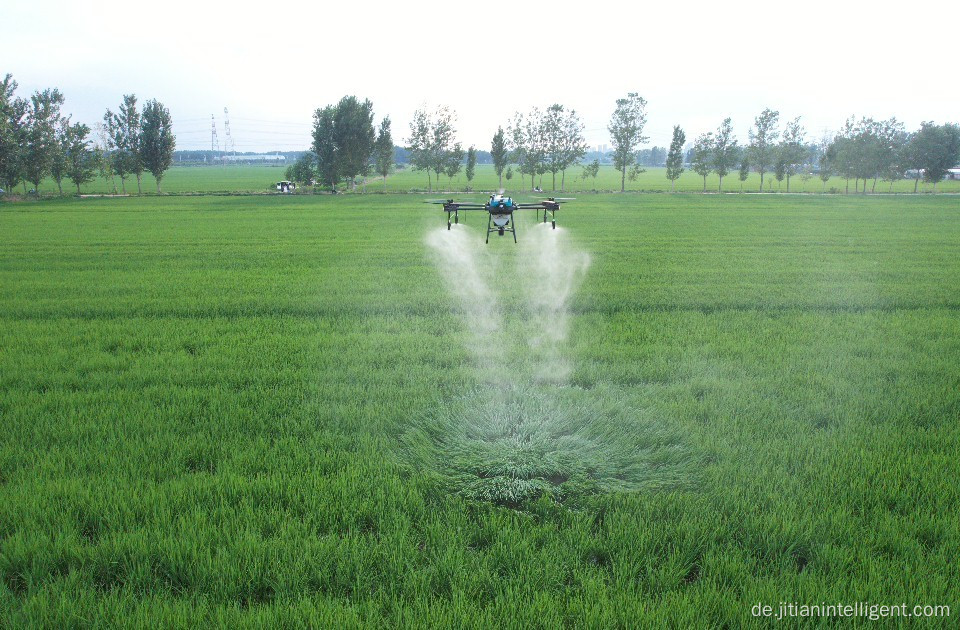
(261, 179)
(330, 411)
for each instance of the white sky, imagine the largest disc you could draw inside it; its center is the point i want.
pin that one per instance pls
(273, 64)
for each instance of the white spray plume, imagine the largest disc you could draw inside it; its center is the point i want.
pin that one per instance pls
(559, 270)
(465, 269)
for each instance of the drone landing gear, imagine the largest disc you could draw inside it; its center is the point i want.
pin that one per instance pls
(456, 217)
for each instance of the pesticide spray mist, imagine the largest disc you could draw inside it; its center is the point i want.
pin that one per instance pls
(524, 431)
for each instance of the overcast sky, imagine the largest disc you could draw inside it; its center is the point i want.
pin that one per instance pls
(273, 64)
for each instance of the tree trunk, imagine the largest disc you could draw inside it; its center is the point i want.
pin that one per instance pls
(563, 178)
(78, 188)
(623, 179)
(553, 187)
(500, 180)
(139, 188)
(720, 187)
(873, 188)
(429, 184)
(761, 181)
(846, 190)
(158, 186)
(704, 183)
(916, 183)
(60, 187)
(788, 183)
(123, 184)
(673, 185)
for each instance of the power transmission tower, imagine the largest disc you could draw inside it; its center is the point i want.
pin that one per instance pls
(214, 142)
(228, 144)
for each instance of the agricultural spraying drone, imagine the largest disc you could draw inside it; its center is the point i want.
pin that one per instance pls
(500, 211)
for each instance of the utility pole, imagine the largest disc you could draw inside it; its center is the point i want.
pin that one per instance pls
(228, 144)
(214, 142)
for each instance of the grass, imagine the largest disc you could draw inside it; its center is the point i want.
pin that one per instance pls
(250, 411)
(259, 179)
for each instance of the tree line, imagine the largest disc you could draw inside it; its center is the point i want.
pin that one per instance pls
(864, 151)
(37, 140)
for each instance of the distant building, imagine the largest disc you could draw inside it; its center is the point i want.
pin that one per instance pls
(256, 157)
(954, 173)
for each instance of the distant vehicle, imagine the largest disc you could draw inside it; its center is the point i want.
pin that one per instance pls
(286, 187)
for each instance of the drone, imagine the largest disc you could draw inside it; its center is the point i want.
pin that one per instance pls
(500, 211)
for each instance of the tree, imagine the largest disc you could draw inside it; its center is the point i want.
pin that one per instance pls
(13, 112)
(80, 158)
(840, 153)
(499, 153)
(864, 151)
(303, 171)
(529, 144)
(420, 143)
(913, 157)
(41, 146)
(383, 151)
(353, 137)
(939, 150)
(115, 156)
(471, 163)
(130, 153)
(509, 174)
(792, 152)
(779, 168)
(453, 162)
(824, 164)
(763, 138)
(893, 155)
(744, 168)
(703, 151)
(58, 163)
(564, 143)
(157, 141)
(553, 132)
(324, 147)
(626, 132)
(724, 150)
(675, 157)
(574, 144)
(592, 170)
(443, 141)
(102, 147)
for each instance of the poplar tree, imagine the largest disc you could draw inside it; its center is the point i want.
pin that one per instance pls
(675, 157)
(702, 161)
(129, 129)
(499, 154)
(725, 150)
(156, 142)
(40, 135)
(383, 152)
(471, 163)
(763, 139)
(626, 132)
(80, 158)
